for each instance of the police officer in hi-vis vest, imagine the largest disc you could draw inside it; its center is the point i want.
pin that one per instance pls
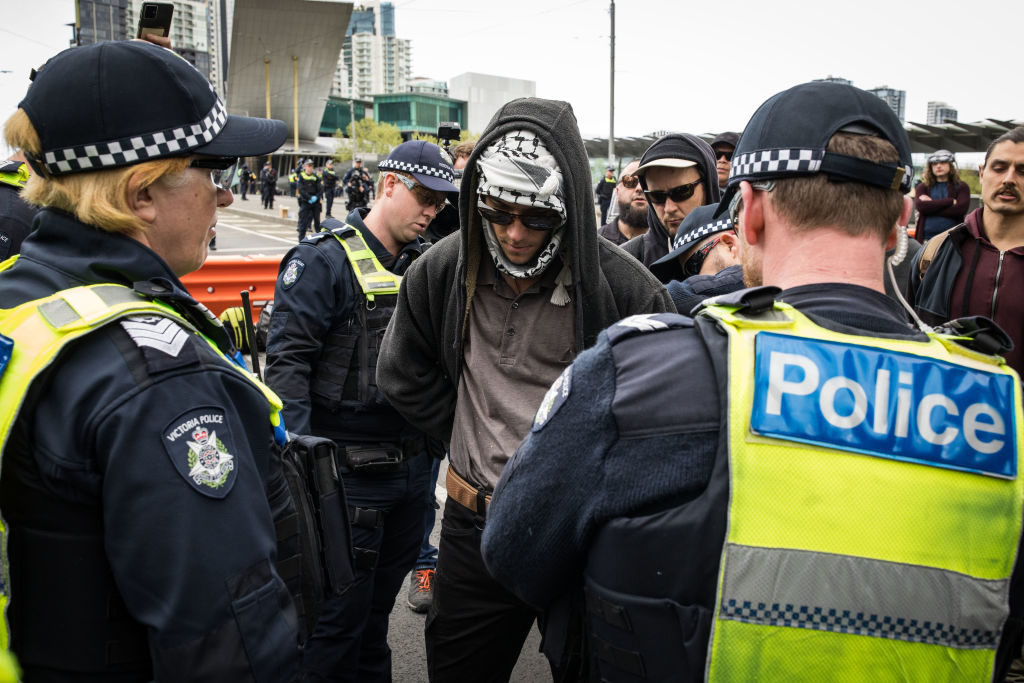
(795, 484)
(139, 541)
(335, 294)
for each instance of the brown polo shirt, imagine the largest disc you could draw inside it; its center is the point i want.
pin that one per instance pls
(515, 348)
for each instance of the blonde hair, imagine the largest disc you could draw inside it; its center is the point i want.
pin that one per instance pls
(97, 198)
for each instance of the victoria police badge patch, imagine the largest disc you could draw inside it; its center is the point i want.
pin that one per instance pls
(292, 272)
(201, 449)
(554, 399)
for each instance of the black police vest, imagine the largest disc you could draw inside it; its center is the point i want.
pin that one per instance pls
(634, 637)
(345, 377)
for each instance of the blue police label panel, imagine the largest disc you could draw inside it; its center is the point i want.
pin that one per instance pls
(6, 349)
(884, 403)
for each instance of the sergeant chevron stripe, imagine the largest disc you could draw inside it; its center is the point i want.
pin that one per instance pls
(156, 332)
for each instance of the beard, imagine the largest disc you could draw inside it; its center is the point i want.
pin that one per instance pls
(752, 275)
(634, 217)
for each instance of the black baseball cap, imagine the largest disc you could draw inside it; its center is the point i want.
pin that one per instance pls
(425, 161)
(727, 138)
(787, 135)
(119, 103)
(698, 224)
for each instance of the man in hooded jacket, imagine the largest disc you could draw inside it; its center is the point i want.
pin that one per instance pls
(671, 156)
(485, 320)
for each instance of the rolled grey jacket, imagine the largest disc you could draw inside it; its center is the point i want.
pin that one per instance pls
(421, 355)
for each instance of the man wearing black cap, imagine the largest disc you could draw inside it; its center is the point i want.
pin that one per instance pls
(704, 262)
(677, 174)
(335, 296)
(800, 511)
(724, 144)
(268, 184)
(137, 454)
(486, 319)
(310, 190)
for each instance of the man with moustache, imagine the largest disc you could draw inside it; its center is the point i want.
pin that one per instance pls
(977, 268)
(632, 218)
(677, 174)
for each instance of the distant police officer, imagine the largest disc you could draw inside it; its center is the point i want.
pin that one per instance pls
(330, 185)
(795, 485)
(140, 541)
(15, 213)
(335, 295)
(310, 189)
(268, 185)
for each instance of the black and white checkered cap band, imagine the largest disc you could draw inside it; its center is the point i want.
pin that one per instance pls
(775, 161)
(130, 150)
(393, 165)
(703, 231)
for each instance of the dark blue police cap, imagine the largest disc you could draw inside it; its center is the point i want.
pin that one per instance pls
(120, 103)
(787, 135)
(698, 224)
(425, 161)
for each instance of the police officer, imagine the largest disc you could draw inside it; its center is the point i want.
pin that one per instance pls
(310, 189)
(604, 191)
(357, 184)
(140, 544)
(330, 184)
(268, 184)
(782, 488)
(335, 294)
(15, 213)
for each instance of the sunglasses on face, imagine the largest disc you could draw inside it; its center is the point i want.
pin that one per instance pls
(221, 169)
(630, 181)
(424, 196)
(548, 220)
(696, 262)
(722, 154)
(679, 193)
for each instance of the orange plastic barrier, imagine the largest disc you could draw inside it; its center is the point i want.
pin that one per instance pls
(218, 283)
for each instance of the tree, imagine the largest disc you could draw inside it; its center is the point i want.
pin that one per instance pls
(371, 138)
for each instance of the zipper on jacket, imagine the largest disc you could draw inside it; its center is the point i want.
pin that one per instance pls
(995, 290)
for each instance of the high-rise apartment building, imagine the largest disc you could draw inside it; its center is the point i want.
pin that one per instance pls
(196, 30)
(940, 112)
(373, 59)
(896, 99)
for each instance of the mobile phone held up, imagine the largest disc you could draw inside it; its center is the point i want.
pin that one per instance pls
(155, 19)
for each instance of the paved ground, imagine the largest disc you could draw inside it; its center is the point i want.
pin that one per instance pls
(245, 228)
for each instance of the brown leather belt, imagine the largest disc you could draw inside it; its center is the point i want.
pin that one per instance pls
(464, 493)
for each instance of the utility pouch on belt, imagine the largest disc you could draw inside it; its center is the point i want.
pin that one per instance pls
(373, 458)
(326, 562)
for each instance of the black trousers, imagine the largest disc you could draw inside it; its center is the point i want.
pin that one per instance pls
(308, 214)
(268, 196)
(475, 629)
(329, 196)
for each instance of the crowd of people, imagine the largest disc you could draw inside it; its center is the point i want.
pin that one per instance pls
(745, 429)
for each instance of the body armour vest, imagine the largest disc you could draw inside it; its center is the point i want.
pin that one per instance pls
(32, 336)
(861, 521)
(345, 377)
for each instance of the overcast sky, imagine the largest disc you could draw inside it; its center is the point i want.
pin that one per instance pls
(699, 67)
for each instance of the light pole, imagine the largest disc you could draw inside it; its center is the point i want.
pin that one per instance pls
(611, 90)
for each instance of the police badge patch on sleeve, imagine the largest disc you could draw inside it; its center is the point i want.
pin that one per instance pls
(554, 399)
(201, 449)
(292, 272)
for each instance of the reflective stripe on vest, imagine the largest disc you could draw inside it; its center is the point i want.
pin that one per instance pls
(873, 535)
(32, 336)
(373, 278)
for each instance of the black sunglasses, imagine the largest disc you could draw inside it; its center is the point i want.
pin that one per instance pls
(221, 169)
(721, 153)
(630, 181)
(694, 263)
(679, 193)
(534, 221)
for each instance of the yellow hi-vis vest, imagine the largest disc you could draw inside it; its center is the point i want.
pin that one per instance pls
(373, 278)
(875, 505)
(31, 337)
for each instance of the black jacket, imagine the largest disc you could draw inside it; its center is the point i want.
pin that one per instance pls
(421, 358)
(115, 551)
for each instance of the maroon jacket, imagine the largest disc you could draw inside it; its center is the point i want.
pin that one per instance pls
(941, 207)
(969, 276)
